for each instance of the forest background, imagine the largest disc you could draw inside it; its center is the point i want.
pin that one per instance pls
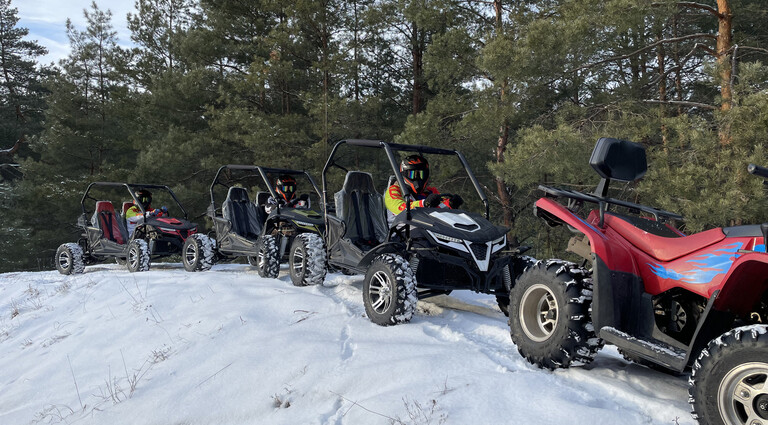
(522, 88)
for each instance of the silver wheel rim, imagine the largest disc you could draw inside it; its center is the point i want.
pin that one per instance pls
(298, 260)
(380, 292)
(538, 313)
(64, 260)
(133, 258)
(742, 397)
(261, 259)
(190, 254)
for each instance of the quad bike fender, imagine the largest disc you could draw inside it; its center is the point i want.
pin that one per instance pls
(744, 284)
(616, 256)
(385, 248)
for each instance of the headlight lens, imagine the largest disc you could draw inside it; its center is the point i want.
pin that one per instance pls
(165, 229)
(303, 223)
(445, 238)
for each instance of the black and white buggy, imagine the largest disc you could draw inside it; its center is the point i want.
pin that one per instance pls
(243, 228)
(105, 233)
(423, 252)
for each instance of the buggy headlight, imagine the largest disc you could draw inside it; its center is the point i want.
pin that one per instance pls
(444, 238)
(167, 230)
(303, 223)
(499, 243)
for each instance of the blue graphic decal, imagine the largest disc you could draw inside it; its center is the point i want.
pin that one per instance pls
(705, 266)
(759, 248)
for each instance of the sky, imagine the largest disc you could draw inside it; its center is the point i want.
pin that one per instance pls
(46, 21)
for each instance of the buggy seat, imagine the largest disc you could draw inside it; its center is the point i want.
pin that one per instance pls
(362, 209)
(112, 226)
(242, 213)
(652, 239)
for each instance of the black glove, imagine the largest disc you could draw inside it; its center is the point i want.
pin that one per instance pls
(455, 201)
(164, 209)
(304, 197)
(433, 200)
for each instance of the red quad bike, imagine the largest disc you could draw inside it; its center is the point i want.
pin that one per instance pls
(665, 299)
(105, 235)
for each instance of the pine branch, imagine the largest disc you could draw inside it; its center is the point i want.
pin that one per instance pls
(680, 102)
(12, 150)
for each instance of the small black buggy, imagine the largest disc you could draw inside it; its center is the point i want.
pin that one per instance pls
(105, 234)
(243, 227)
(423, 252)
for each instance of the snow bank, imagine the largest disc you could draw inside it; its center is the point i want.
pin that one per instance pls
(227, 347)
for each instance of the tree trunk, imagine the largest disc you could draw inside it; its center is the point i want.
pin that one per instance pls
(501, 145)
(661, 58)
(724, 44)
(417, 52)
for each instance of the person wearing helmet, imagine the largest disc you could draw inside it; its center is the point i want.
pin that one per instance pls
(415, 172)
(134, 215)
(285, 188)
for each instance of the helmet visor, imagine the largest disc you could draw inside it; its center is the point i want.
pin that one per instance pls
(288, 188)
(416, 174)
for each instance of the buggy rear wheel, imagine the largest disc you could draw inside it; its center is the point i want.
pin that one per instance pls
(138, 256)
(268, 257)
(197, 253)
(306, 260)
(389, 290)
(69, 259)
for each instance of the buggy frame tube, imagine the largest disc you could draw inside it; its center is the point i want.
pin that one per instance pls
(129, 187)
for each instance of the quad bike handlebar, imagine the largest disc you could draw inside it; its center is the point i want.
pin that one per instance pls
(758, 170)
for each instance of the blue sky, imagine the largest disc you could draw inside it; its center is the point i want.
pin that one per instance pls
(46, 21)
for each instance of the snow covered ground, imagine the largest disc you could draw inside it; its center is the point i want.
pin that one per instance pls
(228, 347)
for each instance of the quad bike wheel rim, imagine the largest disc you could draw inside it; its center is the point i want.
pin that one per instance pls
(298, 261)
(190, 254)
(538, 313)
(742, 397)
(64, 260)
(380, 290)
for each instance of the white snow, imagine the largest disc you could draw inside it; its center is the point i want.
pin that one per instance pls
(228, 347)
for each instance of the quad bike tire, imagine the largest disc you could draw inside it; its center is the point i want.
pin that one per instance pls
(138, 256)
(389, 290)
(197, 253)
(268, 257)
(729, 379)
(549, 315)
(306, 260)
(518, 266)
(69, 259)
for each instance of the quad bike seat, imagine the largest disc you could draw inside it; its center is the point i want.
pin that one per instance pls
(112, 226)
(664, 245)
(362, 209)
(242, 213)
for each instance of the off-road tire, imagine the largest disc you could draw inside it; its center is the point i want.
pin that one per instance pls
(138, 256)
(389, 290)
(253, 261)
(514, 270)
(197, 253)
(306, 260)
(69, 259)
(120, 261)
(728, 384)
(549, 316)
(268, 257)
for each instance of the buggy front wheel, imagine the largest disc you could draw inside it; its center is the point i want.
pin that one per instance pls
(268, 257)
(389, 290)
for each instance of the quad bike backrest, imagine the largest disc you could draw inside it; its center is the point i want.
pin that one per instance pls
(615, 159)
(242, 213)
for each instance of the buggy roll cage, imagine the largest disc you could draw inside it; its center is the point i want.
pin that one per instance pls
(131, 188)
(390, 148)
(262, 172)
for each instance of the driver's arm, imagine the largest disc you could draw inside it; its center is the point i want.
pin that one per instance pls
(394, 202)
